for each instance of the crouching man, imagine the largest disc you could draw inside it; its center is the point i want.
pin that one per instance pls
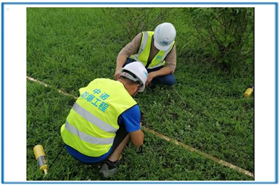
(104, 118)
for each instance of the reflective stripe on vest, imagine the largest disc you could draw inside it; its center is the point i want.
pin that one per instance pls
(92, 123)
(155, 64)
(87, 138)
(144, 52)
(93, 119)
(143, 44)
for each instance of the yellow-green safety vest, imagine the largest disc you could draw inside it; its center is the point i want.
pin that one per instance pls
(92, 123)
(144, 52)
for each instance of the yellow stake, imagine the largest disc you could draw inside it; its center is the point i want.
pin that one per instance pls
(41, 158)
(248, 92)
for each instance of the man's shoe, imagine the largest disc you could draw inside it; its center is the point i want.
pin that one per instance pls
(108, 168)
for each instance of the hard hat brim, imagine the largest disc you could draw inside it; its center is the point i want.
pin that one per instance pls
(142, 88)
(160, 47)
(129, 76)
(138, 72)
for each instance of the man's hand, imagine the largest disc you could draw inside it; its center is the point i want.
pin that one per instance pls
(119, 64)
(150, 78)
(117, 74)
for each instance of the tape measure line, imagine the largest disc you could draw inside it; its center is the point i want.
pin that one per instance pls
(46, 85)
(221, 162)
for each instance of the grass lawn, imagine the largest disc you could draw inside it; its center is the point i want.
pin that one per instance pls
(69, 47)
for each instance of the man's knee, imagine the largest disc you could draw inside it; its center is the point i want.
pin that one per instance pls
(169, 80)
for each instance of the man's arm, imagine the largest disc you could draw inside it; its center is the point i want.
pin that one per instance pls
(169, 67)
(119, 64)
(160, 72)
(131, 120)
(130, 49)
(137, 138)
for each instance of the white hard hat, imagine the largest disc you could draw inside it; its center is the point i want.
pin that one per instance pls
(164, 36)
(136, 71)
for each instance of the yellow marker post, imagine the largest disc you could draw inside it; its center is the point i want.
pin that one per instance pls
(248, 92)
(41, 158)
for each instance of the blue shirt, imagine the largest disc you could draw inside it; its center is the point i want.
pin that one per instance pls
(130, 118)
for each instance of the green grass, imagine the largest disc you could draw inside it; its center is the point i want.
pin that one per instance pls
(160, 159)
(67, 48)
(215, 119)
